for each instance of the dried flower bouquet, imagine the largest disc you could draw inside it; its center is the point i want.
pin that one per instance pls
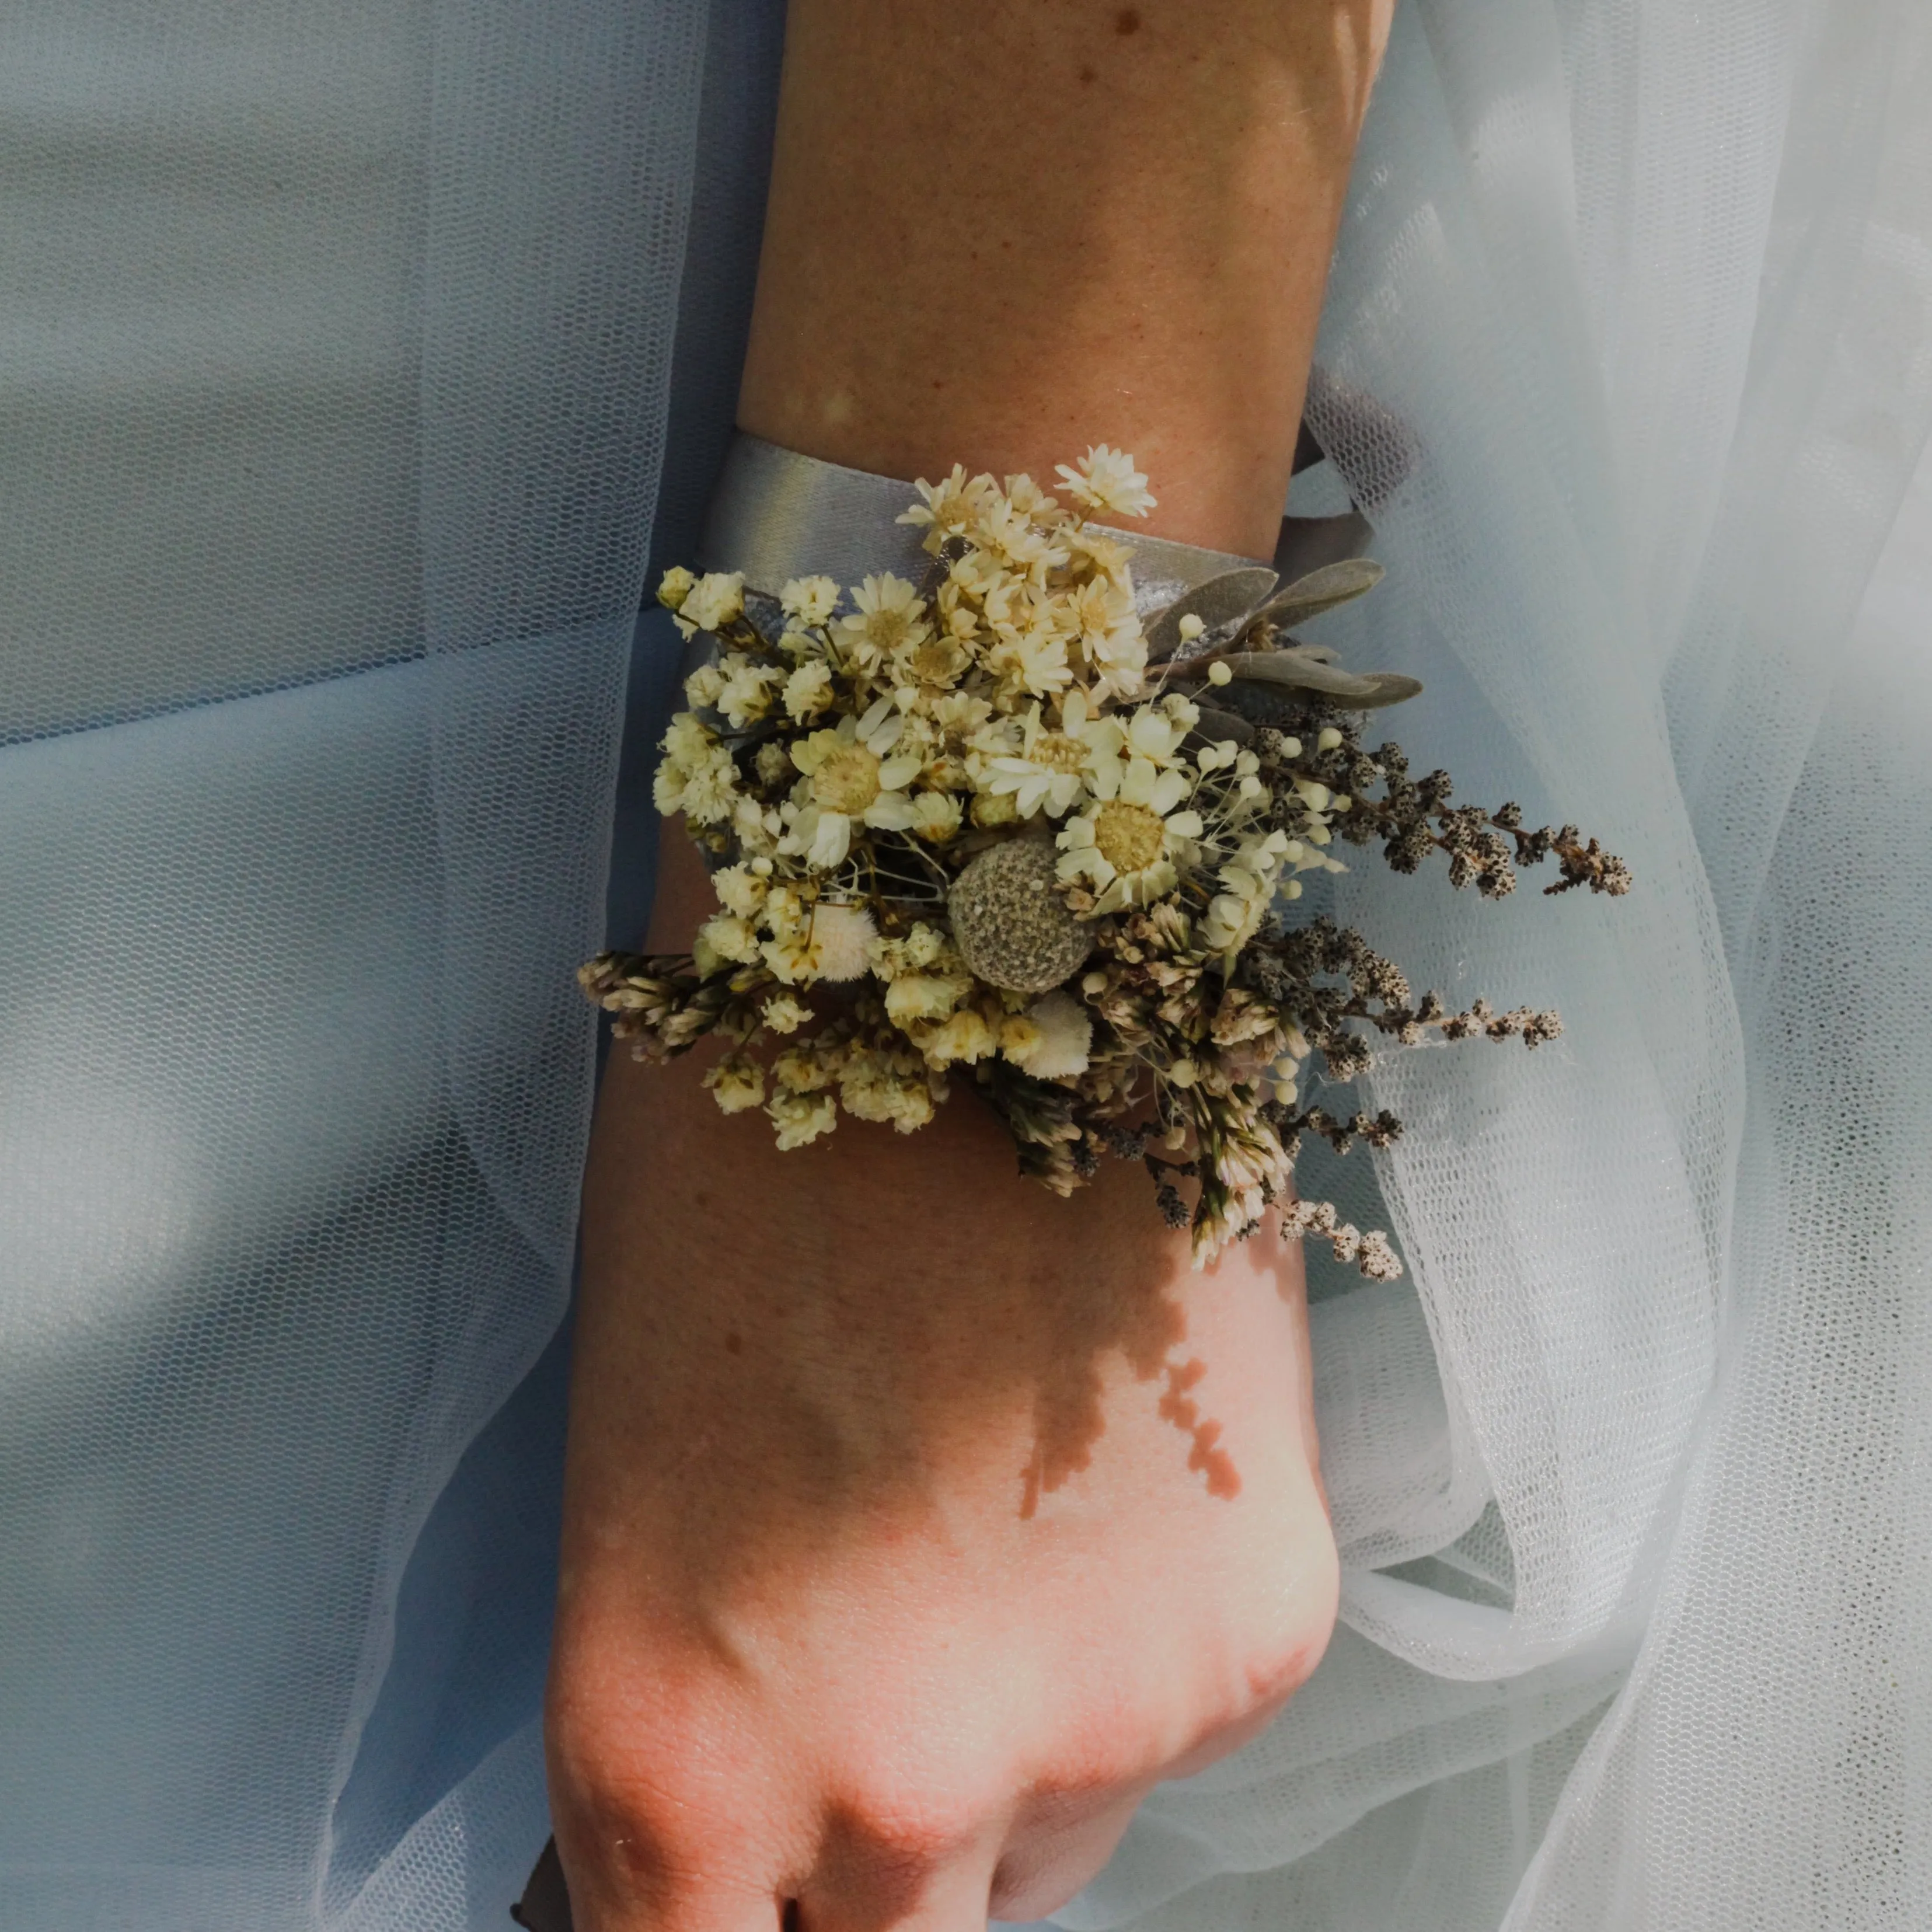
(1037, 846)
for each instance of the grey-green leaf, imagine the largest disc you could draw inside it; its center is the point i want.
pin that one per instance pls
(1297, 670)
(1320, 590)
(1221, 600)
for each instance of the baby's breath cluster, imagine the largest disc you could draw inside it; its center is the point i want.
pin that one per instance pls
(987, 827)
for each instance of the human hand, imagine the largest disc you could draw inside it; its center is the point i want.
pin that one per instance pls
(917, 1521)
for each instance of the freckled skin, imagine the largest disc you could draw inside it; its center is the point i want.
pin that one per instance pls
(917, 1521)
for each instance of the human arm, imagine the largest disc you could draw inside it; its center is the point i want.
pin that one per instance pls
(917, 1521)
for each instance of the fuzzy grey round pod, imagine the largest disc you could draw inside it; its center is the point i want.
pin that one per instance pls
(1010, 922)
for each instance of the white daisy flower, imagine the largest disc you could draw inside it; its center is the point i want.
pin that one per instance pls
(1006, 532)
(890, 615)
(948, 507)
(1127, 844)
(1107, 483)
(852, 775)
(928, 666)
(1049, 766)
(1111, 636)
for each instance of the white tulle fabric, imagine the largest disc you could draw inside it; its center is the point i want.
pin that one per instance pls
(339, 350)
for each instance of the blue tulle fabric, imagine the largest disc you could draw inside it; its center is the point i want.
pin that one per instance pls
(354, 363)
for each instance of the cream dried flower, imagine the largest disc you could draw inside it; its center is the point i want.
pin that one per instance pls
(889, 614)
(714, 600)
(936, 817)
(949, 508)
(1047, 769)
(736, 1082)
(1059, 1040)
(963, 1036)
(885, 1087)
(1127, 843)
(802, 1118)
(1030, 663)
(842, 936)
(740, 890)
(783, 1014)
(1248, 882)
(702, 687)
(724, 938)
(808, 691)
(927, 666)
(745, 694)
(852, 775)
(1107, 483)
(696, 776)
(810, 601)
(914, 999)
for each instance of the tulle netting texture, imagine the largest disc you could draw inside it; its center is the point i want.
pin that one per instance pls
(342, 350)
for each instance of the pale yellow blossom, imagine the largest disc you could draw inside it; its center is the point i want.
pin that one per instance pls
(808, 691)
(802, 1118)
(888, 614)
(783, 1014)
(736, 1082)
(811, 601)
(1106, 483)
(714, 600)
(964, 1035)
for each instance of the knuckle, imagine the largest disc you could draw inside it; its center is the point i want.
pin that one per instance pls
(913, 1826)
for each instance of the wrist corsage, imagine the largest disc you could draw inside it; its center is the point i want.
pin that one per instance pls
(992, 828)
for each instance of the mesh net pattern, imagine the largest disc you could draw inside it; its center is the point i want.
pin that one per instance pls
(333, 376)
(337, 351)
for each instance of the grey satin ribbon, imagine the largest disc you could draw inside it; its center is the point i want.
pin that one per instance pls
(776, 515)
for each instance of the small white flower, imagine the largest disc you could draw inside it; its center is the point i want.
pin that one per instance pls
(783, 1014)
(736, 1082)
(842, 936)
(810, 600)
(1248, 882)
(746, 695)
(964, 1036)
(948, 507)
(889, 614)
(1049, 766)
(714, 599)
(702, 687)
(808, 691)
(801, 1118)
(696, 776)
(740, 890)
(936, 817)
(853, 775)
(1107, 483)
(725, 939)
(1125, 844)
(1061, 1041)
